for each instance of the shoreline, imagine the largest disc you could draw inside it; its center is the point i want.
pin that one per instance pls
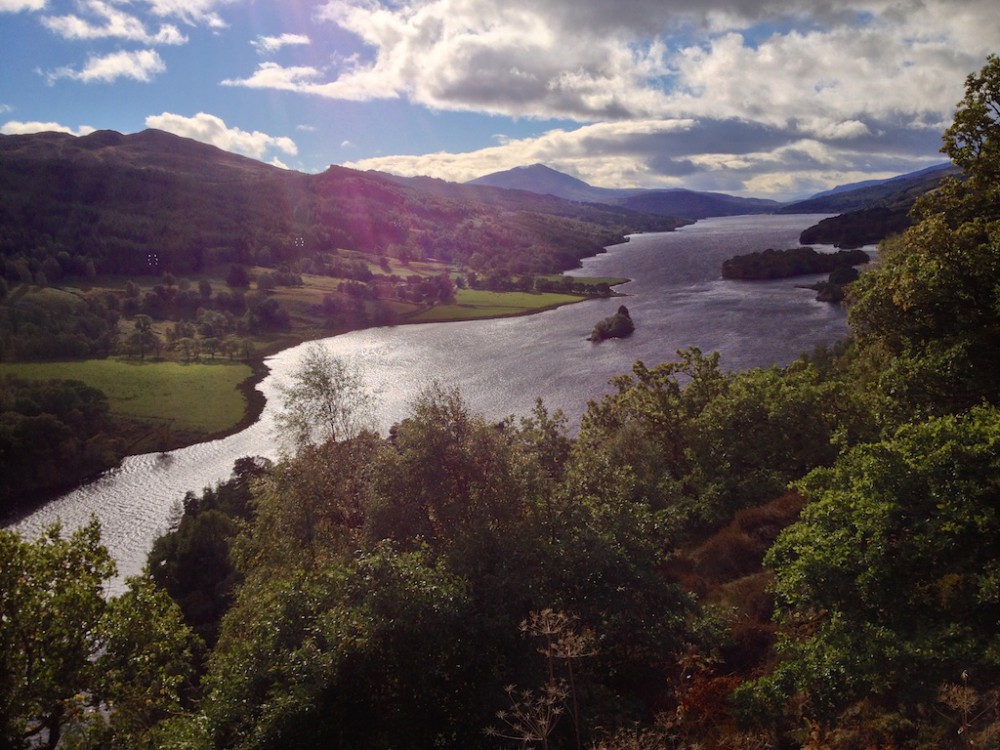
(257, 401)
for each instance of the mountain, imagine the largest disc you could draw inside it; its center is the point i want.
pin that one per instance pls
(868, 212)
(152, 202)
(688, 204)
(890, 193)
(543, 180)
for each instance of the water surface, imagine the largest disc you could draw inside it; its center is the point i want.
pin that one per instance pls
(677, 300)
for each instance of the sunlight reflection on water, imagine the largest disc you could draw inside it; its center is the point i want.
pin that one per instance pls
(677, 300)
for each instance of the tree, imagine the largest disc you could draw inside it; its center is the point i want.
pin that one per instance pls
(238, 277)
(889, 585)
(145, 668)
(930, 310)
(68, 657)
(144, 338)
(51, 605)
(973, 140)
(366, 653)
(326, 400)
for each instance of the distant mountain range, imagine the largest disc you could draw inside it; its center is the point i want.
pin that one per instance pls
(867, 211)
(687, 204)
(894, 192)
(890, 193)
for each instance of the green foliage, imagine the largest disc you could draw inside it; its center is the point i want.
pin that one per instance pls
(145, 666)
(47, 325)
(52, 433)
(69, 659)
(704, 443)
(370, 653)
(192, 563)
(385, 583)
(326, 400)
(930, 308)
(50, 612)
(781, 264)
(889, 582)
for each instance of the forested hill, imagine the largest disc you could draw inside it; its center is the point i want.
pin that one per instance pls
(868, 212)
(155, 202)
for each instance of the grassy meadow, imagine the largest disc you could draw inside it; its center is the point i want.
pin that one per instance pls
(472, 304)
(195, 399)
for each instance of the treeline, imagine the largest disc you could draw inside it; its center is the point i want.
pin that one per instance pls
(648, 582)
(865, 227)
(51, 324)
(783, 264)
(57, 325)
(51, 434)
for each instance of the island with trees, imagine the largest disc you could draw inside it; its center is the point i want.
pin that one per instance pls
(783, 264)
(787, 557)
(800, 261)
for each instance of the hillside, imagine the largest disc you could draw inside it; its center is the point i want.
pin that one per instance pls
(870, 211)
(891, 192)
(155, 202)
(688, 204)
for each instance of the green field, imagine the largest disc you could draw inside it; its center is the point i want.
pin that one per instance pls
(471, 304)
(195, 398)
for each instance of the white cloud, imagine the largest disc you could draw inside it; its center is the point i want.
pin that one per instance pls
(4, 108)
(267, 44)
(141, 65)
(192, 12)
(305, 79)
(16, 6)
(592, 60)
(213, 130)
(815, 92)
(702, 154)
(13, 127)
(112, 23)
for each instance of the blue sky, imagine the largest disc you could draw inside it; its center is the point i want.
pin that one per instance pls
(772, 98)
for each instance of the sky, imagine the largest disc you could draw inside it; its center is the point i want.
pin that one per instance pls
(768, 98)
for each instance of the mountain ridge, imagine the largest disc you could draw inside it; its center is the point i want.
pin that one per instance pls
(689, 204)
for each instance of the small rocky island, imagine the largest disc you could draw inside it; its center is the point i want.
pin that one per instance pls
(618, 326)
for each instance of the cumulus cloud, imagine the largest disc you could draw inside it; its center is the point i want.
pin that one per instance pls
(16, 6)
(111, 22)
(213, 130)
(815, 92)
(713, 155)
(266, 45)
(13, 127)
(592, 60)
(141, 65)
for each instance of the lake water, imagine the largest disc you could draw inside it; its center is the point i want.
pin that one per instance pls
(677, 300)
